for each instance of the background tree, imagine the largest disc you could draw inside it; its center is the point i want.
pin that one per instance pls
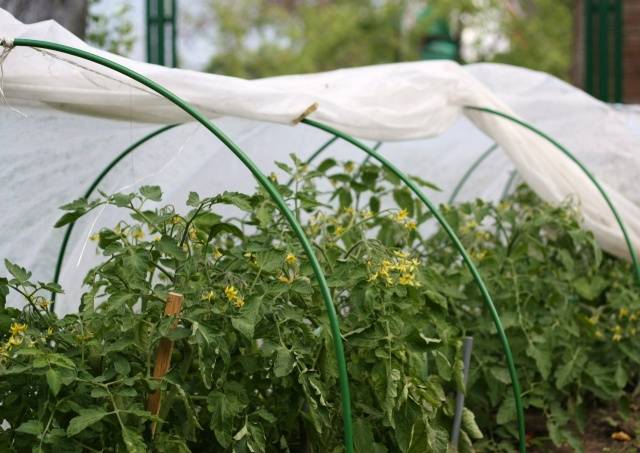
(264, 38)
(71, 14)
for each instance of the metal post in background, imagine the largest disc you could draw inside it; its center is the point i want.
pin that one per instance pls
(604, 49)
(161, 32)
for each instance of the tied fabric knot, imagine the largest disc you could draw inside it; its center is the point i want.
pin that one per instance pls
(7, 43)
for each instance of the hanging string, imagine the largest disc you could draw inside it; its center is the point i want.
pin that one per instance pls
(7, 47)
(102, 74)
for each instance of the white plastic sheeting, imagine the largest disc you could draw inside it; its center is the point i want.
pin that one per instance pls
(50, 156)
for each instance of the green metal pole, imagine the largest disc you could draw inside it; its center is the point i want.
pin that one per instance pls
(619, 44)
(507, 186)
(87, 194)
(588, 20)
(603, 50)
(467, 260)
(161, 23)
(264, 182)
(585, 170)
(149, 21)
(174, 33)
(471, 169)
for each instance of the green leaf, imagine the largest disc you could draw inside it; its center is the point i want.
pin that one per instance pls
(425, 183)
(590, 288)
(153, 193)
(86, 418)
(501, 375)
(326, 165)
(68, 217)
(283, 363)
(54, 381)
(469, 424)
(121, 365)
(239, 200)
(542, 359)
(570, 369)
(170, 247)
(122, 200)
(404, 199)
(19, 273)
(78, 204)
(374, 204)
(133, 441)
(249, 315)
(33, 427)
(193, 200)
(621, 376)
(506, 411)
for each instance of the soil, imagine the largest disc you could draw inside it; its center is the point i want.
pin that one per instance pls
(601, 425)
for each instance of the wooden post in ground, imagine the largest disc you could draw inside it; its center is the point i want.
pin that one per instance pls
(163, 354)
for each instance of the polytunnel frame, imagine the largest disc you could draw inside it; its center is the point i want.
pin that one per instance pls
(264, 182)
(424, 199)
(371, 153)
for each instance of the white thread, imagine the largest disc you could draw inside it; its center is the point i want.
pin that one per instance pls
(8, 46)
(115, 79)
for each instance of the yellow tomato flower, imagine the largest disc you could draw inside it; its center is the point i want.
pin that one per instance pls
(217, 253)
(284, 279)
(94, 237)
(349, 166)
(239, 302)
(231, 292)
(193, 234)
(137, 233)
(410, 225)
(273, 177)
(616, 337)
(208, 296)
(623, 312)
(176, 219)
(15, 341)
(17, 328)
(401, 215)
(291, 259)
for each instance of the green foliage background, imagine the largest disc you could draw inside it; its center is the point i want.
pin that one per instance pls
(257, 39)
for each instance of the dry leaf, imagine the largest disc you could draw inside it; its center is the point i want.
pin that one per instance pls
(621, 436)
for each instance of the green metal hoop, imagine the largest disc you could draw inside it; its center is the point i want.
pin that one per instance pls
(87, 194)
(468, 262)
(264, 182)
(470, 171)
(585, 170)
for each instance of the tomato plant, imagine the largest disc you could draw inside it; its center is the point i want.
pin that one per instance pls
(253, 367)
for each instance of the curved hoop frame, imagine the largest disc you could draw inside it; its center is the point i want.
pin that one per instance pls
(264, 182)
(470, 171)
(87, 194)
(507, 186)
(468, 262)
(585, 170)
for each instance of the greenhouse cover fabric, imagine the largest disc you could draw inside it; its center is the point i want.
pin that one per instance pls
(393, 102)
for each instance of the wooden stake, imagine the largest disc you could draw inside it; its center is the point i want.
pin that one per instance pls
(163, 354)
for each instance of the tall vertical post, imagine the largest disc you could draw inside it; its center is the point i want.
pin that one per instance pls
(588, 11)
(161, 32)
(603, 50)
(618, 43)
